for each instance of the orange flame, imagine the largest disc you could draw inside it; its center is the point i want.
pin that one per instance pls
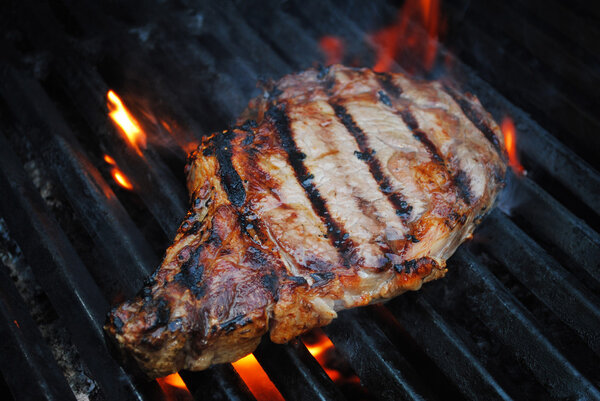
(121, 179)
(319, 350)
(405, 35)
(117, 174)
(510, 141)
(174, 388)
(126, 122)
(333, 49)
(256, 379)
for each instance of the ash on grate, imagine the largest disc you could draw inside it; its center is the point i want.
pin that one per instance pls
(48, 322)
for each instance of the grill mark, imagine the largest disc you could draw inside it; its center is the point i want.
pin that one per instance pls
(370, 211)
(232, 183)
(410, 120)
(476, 118)
(402, 207)
(258, 228)
(387, 83)
(460, 180)
(337, 236)
(191, 272)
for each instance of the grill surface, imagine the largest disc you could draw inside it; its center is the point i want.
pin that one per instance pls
(518, 315)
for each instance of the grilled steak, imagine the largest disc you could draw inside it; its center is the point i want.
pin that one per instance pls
(347, 187)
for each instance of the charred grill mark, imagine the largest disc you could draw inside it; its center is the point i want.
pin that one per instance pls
(270, 282)
(338, 237)
(191, 272)
(460, 180)
(323, 71)
(402, 208)
(384, 98)
(117, 322)
(476, 118)
(163, 312)
(257, 258)
(297, 280)
(412, 238)
(214, 239)
(175, 325)
(193, 229)
(421, 265)
(159, 310)
(410, 120)
(232, 183)
(364, 156)
(232, 324)
(321, 279)
(387, 83)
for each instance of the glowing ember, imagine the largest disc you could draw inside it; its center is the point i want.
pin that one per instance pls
(117, 174)
(174, 388)
(510, 141)
(319, 349)
(109, 160)
(16, 324)
(333, 49)
(126, 122)
(121, 179)
(413, 35)
(256, 379)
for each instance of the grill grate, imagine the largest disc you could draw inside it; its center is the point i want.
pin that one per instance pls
(517, 316)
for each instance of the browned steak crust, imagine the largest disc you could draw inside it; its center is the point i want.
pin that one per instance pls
(349, 187)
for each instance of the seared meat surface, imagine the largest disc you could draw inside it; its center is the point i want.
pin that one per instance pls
(340, 188)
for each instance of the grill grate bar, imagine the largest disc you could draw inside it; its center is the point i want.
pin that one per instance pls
(62, 276)
(289, 40)
(99, 209)
(85, 88)
(498, 67)
(218, 383)
(132, 276)
(543, 276)
(423, 323)
(551, 222)
(555, 55)
(506, 318)
(381, 368)
(581, 29)
(291, 367)
(24, 350)
(167, 205)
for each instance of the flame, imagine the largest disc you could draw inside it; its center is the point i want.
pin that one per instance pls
(126, 122)
(121, 179)
(110, 160)
(319, 350)
(16, 324)
(174, 388)
(117, 174)
(333, 49)
(510, 141)
(414, 35)
(256, 379)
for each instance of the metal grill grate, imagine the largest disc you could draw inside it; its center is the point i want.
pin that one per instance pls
(518, 315)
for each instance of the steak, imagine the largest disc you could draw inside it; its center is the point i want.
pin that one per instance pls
(338, 188)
